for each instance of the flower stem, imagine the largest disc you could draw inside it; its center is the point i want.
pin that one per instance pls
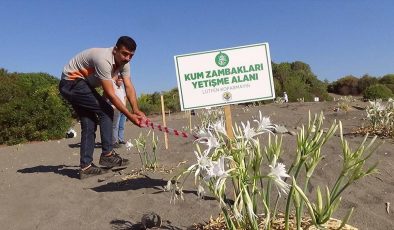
(299, 210)
(291, 193)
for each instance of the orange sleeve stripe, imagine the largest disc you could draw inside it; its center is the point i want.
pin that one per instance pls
(80, 73)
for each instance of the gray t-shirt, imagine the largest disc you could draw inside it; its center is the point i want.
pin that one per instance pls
(94, 64)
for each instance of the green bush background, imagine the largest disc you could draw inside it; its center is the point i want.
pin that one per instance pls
(377, 91)
(31, 108)
(351, 85)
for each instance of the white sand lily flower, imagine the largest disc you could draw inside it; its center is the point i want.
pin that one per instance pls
(209, 140)
(264, 124)
(203, 165)
(278, 171)
(219, 126)
(218, 171)
(203, 161)
(129, 145)
(377, 105)
(202, 132)
(249, 133)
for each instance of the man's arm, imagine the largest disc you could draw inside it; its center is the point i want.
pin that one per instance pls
(110, 94)
(131, 95)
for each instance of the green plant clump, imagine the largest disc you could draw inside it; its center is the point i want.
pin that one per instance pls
(377, 91)
(31, 108)
(258, 177)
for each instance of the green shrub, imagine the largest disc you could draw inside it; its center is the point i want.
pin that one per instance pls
(171, 100)
(298, 80)
(388, 80)
(31, 108)
(365, 81)
(377, 91)
(278, 88)
(151, 103)
(296, 88)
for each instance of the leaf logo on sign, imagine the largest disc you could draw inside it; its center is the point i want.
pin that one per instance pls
(221, 59)
(226, 96)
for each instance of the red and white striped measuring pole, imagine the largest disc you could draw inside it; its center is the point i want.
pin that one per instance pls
(149, 124)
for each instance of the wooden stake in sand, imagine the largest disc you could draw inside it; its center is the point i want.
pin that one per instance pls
(230, 134)
(190, 120)
(164, 120)
(229, 121)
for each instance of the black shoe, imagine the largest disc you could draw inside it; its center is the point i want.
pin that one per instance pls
(116, 145)
(113, 160)
(91, 170)
(122, 142)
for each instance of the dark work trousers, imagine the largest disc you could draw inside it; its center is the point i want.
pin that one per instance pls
(92, 109)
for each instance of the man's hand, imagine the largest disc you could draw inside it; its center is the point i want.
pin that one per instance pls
(137, 119)
(143, 120)
(140, 113)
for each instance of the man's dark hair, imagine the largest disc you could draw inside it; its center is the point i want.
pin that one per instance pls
(127, 42)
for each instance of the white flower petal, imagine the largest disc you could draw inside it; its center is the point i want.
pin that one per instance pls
(219, 126)
(277, 172)
(264, 124)
(129, 145)
(209, 140)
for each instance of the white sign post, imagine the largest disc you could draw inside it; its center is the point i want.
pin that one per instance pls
(226, 76)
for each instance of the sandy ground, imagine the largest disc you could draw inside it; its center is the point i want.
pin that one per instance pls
(39, 188)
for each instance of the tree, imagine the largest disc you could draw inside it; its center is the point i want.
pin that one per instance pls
(281, 72)
(298, 75)
(171, 99)
(365, 81)
(296, 88)
(347, 85)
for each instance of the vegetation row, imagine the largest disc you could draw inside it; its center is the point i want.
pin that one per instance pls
(31, 108)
